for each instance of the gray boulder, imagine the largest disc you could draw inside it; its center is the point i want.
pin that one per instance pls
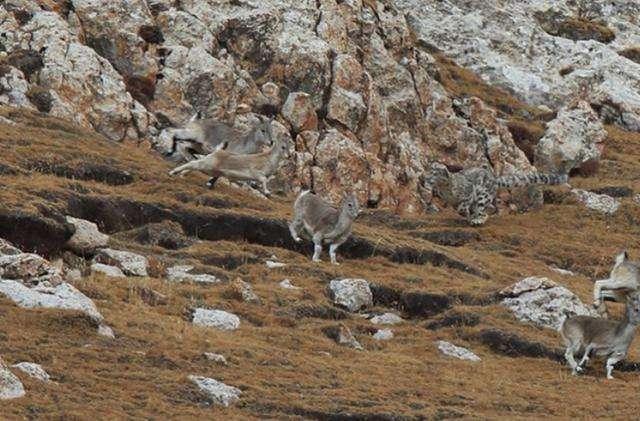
(130, 263)
(220, 393)
(459, 352)
(87, 238)
(33, 370)
(10, 385)
(217, 319)
(543, 302)
(353, 294)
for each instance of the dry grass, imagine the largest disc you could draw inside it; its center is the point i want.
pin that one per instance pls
(575, 28)
(632, 53)
(284, 364)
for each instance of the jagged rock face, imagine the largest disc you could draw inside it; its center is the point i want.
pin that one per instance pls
(546, 52)
(367, 112)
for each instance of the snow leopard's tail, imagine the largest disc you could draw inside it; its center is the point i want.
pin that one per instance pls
(522, 180)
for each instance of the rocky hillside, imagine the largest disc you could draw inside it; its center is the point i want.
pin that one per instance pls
(361, 87)
(129, 294)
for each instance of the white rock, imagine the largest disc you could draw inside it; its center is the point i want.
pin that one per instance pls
(216, 358)
(562, 271)
(272, 265)
(130, 263)
(383, 335)
(87, 237)
(10, 385)
(353, 294)
(33, 370)
(286, 284)
(106, 331)
(181, 274)
(218, 319)
(220, 393)
(541, 301)
(513, 50)
(574, 137)
(63, 296)
(452, 350)
(386, 319)
(598, 202)
(107, 270)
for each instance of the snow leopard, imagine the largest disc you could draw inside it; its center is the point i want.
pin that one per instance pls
(472, 191)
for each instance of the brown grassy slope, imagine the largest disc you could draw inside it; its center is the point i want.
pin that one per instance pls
(280, 358)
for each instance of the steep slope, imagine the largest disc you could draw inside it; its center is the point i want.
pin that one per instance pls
(281, 357)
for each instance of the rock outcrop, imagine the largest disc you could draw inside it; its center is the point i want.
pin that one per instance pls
(548, 53)
(347, 79)
(575, 137)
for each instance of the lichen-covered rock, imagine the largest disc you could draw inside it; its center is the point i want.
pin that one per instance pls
(573, 138)
(217, 319)
(598, 202)
(87, 238)
(354, 294)
(220, 393)
(130, 263)
(29, 269)
(362, 98)
(543, 302)
(33, 370)
(10, 385)
(14, 88)
(459, 352)
(299, 111)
